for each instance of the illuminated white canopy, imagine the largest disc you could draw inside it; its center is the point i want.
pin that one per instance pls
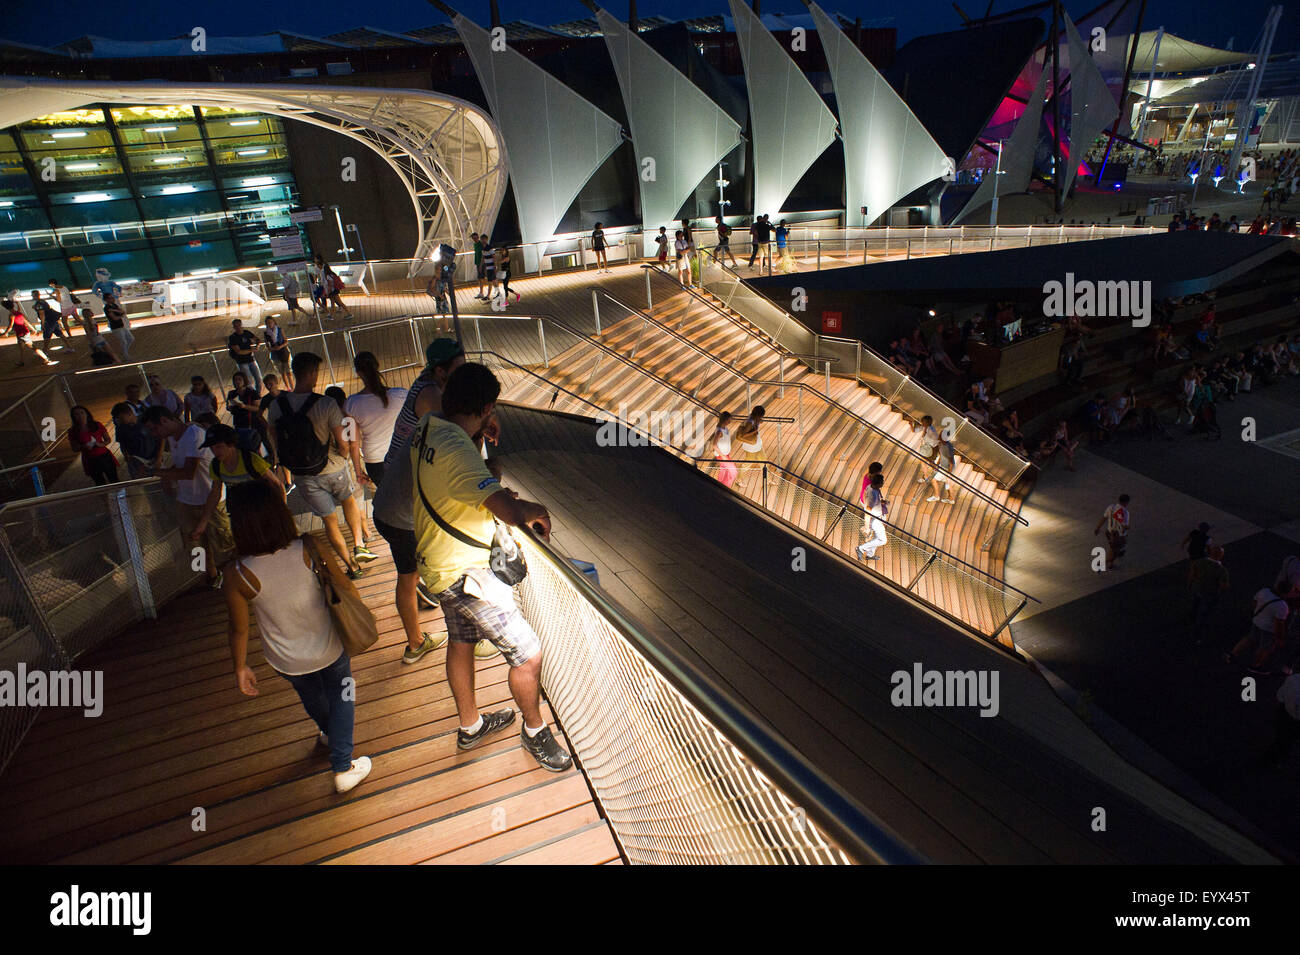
(1017, 154)
(447, 152)
(1092, 108)
(555, 139)
(887, 152)
(790, 125)
(674, 124)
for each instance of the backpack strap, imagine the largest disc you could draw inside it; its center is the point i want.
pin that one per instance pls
(459, 535)
(247, 456)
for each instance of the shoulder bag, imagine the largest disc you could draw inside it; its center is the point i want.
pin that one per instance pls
(352, 618)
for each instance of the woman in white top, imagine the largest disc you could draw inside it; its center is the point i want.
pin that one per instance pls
(373, 412)
(720, 449)
(273, 576)
(682, 247)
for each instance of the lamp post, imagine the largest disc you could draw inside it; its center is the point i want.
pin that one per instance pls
(342, 239)
(993, 212)
(353, 227)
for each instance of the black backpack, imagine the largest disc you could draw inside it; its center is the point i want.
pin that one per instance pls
(296, 443)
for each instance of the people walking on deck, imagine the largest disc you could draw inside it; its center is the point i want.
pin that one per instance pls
(748, 437)
(67, 304)
(302, 425)
(458, 504)
(504, 262)
(242, 346)
(272, 576)
(90, 438)
(598, 247)
(682, 248)
(290, 292)
(51, 325)
(1116, 521)
(724, 243)
(719, 450)
(22, 332)
(200, 399)
(190, 481)
(490, 269)
(373, 412)
(1260, 649)
(119, 323)
(278, 348)
(662, 241)
(394, 516)
(876, 509)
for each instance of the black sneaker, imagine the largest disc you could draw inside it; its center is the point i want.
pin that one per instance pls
(491, 723)
(426, 596)
(543, 748)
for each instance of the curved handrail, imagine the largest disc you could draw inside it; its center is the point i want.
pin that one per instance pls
(862, 344)
(858, 832)
(685, 453)
(844, 409)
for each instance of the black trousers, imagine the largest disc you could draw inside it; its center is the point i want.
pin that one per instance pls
(102, 469)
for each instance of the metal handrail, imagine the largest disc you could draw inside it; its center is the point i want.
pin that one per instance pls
(685, 453)
(844, 409)
(862, 835)
(817, 336)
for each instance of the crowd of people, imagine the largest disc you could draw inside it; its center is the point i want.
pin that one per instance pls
(439, 503)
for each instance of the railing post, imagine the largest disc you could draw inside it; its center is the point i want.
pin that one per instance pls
(764, 485)
(921, 573)
(950, 245)
(835, 523)
(649, 301)
(828, 379)
(799, 409)
(541, 334)
(819, 254)
(415, 338)
(478, 331)
(125, 523)
(865, 243)
(595, 307)
(907, 255)
(216, 371)
(857, 367)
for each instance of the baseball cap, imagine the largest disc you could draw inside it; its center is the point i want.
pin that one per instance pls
(220, 434)
(1203, 527)
(442, 350)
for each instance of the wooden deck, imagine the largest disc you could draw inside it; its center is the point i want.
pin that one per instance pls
(176, 734)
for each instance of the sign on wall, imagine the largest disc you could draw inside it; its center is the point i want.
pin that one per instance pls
(832, 323)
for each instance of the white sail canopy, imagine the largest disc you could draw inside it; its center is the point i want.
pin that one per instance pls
(1017, 154)
(555, 140)
(887, 152)
(790, 126)
(678, 132)
(1092, 108)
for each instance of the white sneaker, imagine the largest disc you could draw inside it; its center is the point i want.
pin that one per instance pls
(347, 780)
(932, 497)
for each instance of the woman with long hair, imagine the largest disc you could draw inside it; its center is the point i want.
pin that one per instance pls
(278, 346)
(200, 399)
(719, 448)
(373, 411)
(272, 576)
(89, 437)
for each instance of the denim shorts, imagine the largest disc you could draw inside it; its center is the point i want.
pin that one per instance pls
(324, 492)
(493, 617)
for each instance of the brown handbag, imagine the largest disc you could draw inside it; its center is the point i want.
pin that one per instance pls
(352, 618)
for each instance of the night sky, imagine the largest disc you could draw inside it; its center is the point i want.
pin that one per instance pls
(40, 22)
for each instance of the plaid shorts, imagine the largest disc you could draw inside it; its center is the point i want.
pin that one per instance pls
(494, 618)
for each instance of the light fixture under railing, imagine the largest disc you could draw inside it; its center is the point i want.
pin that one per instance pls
(168, 160)
(244, 122)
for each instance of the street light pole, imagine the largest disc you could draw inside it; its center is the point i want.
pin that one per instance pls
(361, 246)
(997, 172)
(342, 239)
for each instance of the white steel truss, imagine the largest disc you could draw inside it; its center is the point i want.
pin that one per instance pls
(448, 153)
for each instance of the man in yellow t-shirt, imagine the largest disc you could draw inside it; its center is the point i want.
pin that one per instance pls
(457, 502)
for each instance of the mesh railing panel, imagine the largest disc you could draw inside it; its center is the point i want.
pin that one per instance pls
(22, 641)
(675, 790)
(22, 424)
(76, 555)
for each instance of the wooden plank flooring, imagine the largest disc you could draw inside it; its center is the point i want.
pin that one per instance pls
(177, 734)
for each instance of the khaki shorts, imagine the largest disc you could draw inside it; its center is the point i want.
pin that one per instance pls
(218, 541)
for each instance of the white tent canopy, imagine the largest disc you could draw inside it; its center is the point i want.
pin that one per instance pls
(678, 132)
(887, 152)
(790, 125)
(555, 140)
(1092, 108)
(1017, 155)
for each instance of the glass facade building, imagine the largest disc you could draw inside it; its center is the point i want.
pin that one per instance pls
(145, 191)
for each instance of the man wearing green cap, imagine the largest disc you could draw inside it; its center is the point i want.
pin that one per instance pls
(394, 515)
